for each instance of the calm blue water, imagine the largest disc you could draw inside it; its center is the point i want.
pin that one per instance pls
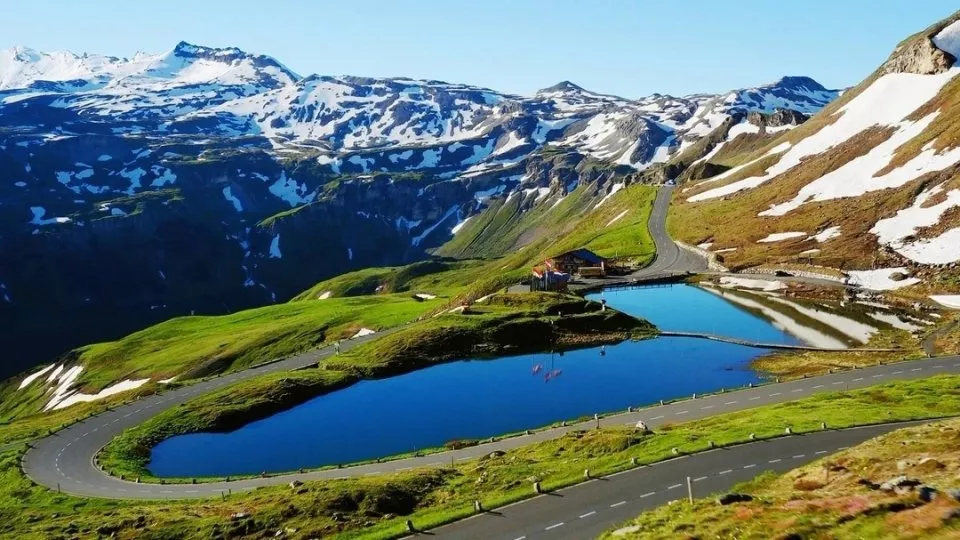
(481, 398)
(686, 308)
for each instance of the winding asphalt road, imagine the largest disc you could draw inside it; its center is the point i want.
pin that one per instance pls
(65, 460)
(586, 510)
(670, 258)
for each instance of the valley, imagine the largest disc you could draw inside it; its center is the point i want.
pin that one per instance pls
(243, 302)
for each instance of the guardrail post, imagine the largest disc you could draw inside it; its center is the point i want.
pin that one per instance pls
(536, 488)
(477, 507)
(690, 490)
(410, 527)
(586, 473)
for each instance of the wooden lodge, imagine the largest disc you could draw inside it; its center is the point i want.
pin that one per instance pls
(581, 262)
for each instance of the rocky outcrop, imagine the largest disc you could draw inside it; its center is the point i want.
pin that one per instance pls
(919, 56)
(779, 117)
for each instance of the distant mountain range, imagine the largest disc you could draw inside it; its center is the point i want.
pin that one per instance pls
(205, 180)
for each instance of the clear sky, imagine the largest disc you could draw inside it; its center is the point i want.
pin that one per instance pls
(626, 47)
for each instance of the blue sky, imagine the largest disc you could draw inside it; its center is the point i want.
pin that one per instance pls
(624, 47)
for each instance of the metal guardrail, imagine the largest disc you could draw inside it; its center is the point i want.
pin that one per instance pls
(762, 345)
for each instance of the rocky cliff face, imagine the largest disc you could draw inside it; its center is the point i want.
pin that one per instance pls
(206, 180)
(920, 55)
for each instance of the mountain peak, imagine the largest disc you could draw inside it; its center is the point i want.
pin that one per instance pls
(562, 86)
(228, 55)
(797, 82)
(189, 50)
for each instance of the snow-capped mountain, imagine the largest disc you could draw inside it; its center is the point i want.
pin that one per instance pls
(869, 182)
(206, 179)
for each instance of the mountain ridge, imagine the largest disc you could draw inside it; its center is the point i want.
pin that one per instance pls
(205, 180)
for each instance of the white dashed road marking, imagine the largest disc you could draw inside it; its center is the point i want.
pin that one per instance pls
(588, 514)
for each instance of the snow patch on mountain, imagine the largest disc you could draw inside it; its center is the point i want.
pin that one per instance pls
(779, 237)
(420, 237)
(290, 191)
(79, 397)
(32, 377)
(896, 230)
(228, 195)
(38, 219)
(827, 234)
(275, 247)
(948, 39)
(613, 191)
(886, 103)
(880, 279)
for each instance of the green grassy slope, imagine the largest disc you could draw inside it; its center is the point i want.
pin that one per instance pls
(556, 225)
(188, 347)
(831, 498)
(376, 507)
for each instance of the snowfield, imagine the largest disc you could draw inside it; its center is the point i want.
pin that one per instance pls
(949, 300)
(881, 279)
(894, 231)
(779, 237)
(886, 102)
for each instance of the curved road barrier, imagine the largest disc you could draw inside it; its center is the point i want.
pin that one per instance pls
(65, 460)
(588, 509)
